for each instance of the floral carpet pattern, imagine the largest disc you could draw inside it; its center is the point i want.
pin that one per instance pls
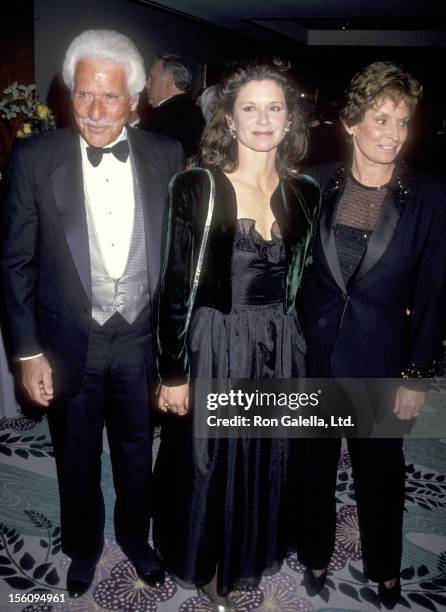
(33, 568)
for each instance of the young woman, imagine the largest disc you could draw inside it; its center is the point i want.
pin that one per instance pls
(219, 522)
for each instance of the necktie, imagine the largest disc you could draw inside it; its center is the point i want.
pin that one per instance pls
(120, 150)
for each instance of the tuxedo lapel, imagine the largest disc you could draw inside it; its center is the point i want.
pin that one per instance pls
(394, 203)
(67, 182)
(380, 238)
(151, 196)
(330, 204)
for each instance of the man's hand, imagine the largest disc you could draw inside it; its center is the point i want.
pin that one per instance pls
(408, 403)
(37, 379)
(174, 399)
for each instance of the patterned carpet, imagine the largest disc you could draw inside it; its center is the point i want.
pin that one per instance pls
(31, 562)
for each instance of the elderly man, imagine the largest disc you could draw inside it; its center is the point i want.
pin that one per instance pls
(81, 261)
(174, 114)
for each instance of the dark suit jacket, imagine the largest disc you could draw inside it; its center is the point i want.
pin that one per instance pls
(46, 265)
(390, 318)
(295, 204)
(180, 118)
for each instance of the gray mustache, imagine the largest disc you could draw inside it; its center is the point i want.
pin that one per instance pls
(100, 123)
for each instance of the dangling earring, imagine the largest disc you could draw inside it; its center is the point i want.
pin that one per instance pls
(286, 129)
(232, 130)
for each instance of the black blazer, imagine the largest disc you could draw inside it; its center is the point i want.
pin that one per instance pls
(180, 118)
(46, 265)
(389, 320)
(295, 204)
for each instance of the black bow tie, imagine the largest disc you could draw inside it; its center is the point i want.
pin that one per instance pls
(120, 150)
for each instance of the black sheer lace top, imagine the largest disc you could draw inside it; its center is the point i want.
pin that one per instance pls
(358, 212)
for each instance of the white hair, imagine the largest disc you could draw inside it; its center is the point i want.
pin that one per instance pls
(207, 102)
(106, 46)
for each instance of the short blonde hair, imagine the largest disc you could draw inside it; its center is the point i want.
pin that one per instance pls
(378, 82)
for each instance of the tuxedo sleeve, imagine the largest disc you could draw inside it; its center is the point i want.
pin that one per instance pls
(20, 254)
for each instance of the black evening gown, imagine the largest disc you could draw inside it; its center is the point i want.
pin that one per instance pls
(229, 516)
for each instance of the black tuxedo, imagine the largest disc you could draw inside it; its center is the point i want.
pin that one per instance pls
(387, 322)
(180, 118)
(404, 269)
(102, 375)
(46, 253)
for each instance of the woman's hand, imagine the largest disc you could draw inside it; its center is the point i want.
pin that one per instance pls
(408, 403)
(174, 399)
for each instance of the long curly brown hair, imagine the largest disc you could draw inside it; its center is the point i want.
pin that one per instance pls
(219, 148)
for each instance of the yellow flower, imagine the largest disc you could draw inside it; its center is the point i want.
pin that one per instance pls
(25, 131)
(42, 111)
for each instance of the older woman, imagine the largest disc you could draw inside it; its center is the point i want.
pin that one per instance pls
(374, 309)
(220, 525)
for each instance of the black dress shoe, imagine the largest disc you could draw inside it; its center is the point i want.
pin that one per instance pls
(152, 578)
(79, 578)
(77, 588)
(314, 584)
(389, 597)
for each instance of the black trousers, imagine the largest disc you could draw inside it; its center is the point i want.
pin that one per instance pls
(379, 474)
(115, 393)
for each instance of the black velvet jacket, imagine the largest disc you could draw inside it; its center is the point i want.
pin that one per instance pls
(295, 205)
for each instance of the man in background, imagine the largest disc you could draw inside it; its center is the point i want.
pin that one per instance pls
(174, 113)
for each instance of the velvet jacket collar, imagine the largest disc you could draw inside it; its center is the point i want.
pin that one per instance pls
(295, 206)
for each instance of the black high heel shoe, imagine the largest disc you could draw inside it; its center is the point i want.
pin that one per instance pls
(221, 603)
(314, 584)
(389, 597)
